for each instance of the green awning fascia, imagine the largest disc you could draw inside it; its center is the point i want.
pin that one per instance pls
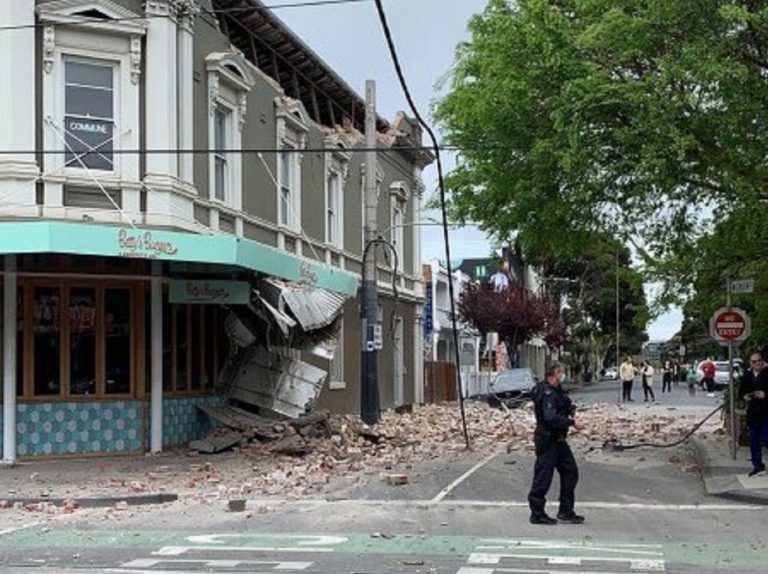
(146, 243)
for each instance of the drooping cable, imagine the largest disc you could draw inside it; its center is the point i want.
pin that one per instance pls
(617, 445)
(443, 208)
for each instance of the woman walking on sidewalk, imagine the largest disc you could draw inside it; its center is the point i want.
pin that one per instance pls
(647, 374)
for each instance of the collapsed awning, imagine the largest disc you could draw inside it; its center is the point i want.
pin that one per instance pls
(274, 382)
(312, 308)
(281, 315)
(108, 241)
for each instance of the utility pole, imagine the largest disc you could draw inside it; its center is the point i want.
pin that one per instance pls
(369, 383)
(618, 333)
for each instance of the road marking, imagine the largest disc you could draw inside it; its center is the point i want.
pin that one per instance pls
(515, 544)
(447, 490)
(132, 571)
(485, 558)
(297, 539)
(279, 566)
(508, 504)
(18, 528)
(470, 570)
(179, 550)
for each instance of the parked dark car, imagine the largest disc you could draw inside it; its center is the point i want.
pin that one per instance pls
(513, 388)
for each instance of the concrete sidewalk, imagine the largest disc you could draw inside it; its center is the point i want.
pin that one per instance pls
(107, 481)
(727, 478)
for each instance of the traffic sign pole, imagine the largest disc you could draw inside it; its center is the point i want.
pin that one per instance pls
(731, 390)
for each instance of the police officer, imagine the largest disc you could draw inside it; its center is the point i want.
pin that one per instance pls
(554, 416)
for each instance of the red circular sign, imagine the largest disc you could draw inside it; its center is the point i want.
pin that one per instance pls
(730, 325)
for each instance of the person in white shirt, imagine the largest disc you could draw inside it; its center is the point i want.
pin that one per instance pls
(647, 373)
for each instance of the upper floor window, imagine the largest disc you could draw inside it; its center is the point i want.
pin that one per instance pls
(292, 129)
(89, 113)
(289, 176)
(333, 209)
(399, 198)
(398, 234)
(90, 90)
(222, 178)
(337, 171)
(230, 78)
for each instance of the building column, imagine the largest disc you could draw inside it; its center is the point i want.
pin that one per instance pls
(156, 371)
(186, 90)
(18, 171)
(9, 360)
(162, 93)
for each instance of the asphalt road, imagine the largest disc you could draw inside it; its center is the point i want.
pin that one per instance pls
(608, 392)
(645, 514)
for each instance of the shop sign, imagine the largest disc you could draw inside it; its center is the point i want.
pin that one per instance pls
(203, 292)
(144, 244)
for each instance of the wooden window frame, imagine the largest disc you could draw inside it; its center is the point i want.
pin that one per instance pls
(196, 345)
(28, 285)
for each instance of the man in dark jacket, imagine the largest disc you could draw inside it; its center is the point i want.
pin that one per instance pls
(554, 416)
(754, 388)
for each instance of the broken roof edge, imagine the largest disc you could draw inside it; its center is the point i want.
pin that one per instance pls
(268, 15)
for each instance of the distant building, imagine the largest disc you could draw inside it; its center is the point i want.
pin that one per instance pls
(652, 351)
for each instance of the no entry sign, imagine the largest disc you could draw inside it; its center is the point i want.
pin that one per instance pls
(729, 324)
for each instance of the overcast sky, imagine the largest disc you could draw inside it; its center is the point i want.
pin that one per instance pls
(426, 32)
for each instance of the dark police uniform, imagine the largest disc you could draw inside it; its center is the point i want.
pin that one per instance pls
(757, 415)
(554, 411)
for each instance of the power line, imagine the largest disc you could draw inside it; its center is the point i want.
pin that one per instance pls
(443, 208)
(77, 19)
(209, 151)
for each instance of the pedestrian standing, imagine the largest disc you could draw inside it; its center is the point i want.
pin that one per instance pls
(691, 379)
(754, 388)
(646, 372)
(666, 381)
(677, 373)
(708, 382)
(627, 376)
(554, 417)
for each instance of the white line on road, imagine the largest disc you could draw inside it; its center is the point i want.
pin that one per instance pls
(280, 566)
(485, 559)
(17, 528)
(471, 570)
(508, 504)
(179, 550)
(447, 490)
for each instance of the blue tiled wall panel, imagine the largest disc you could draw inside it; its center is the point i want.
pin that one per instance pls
(46, 429)
(183, 421)
(51, 429)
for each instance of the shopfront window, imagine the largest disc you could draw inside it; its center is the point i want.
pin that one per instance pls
(75, 340)
(181, 324)
(82, 341)
(117, 333)
(47, 341)
(195, 347)
(20, 342)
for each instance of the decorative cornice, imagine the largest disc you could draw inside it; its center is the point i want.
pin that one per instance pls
(135, 60)
(189, 10)
(118, 18)
(49, 46)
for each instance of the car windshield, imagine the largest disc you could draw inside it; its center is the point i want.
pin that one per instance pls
(514, 377)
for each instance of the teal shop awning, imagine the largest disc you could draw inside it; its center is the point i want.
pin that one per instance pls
(144, 243)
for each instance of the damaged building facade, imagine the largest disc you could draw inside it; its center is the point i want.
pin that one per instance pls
(143, 283)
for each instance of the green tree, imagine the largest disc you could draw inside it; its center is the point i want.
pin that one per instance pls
(588, 282)
(621, 116)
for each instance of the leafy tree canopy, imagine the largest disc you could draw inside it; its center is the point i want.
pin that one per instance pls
(631, 117)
